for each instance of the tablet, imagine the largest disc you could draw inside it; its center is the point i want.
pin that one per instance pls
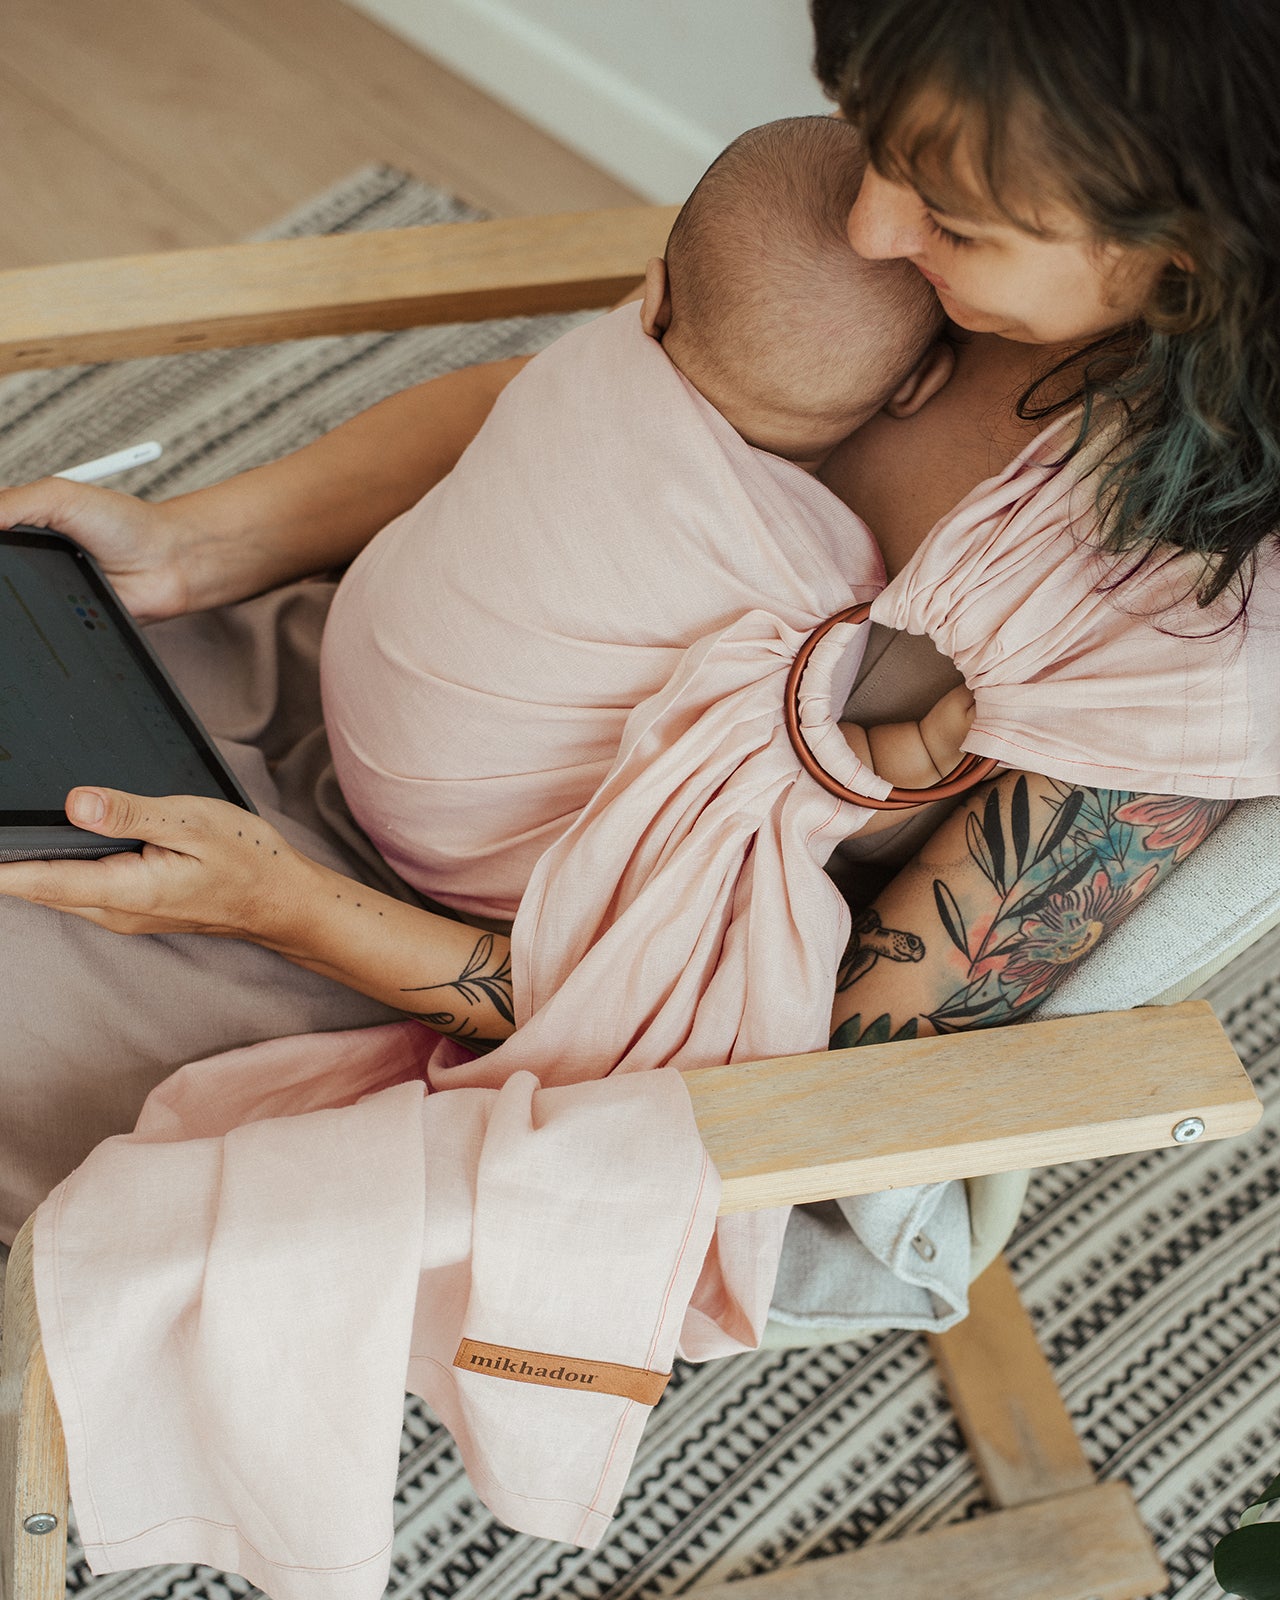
(84, 700)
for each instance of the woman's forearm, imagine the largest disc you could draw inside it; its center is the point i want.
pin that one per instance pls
(454, 977)
(318, 507)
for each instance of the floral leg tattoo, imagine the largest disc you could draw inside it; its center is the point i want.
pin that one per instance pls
(1035, 908)
(484, 977)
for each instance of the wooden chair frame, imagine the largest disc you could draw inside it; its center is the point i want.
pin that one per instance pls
(796, 1129)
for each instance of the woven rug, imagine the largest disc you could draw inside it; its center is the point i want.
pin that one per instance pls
(1154, 1280)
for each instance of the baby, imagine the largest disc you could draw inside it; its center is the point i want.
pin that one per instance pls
(643, 484)
(797, 342)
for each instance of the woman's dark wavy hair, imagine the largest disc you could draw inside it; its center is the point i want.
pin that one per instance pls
(1159, 122)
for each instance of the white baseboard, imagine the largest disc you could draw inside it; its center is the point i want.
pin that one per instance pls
(583, 103)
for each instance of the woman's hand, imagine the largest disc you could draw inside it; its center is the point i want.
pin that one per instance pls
(209, 867)
(206, 866)
(140, 547)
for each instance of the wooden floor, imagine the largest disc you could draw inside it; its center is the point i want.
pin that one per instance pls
(133, 125)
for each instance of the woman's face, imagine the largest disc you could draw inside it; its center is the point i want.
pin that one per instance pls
(993, 277)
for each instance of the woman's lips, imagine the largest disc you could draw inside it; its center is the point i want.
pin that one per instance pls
(934, 279)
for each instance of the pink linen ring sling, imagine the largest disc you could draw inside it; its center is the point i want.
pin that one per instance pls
(967, 774)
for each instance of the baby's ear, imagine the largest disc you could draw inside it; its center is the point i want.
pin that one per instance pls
(655, 305)
(932, 374)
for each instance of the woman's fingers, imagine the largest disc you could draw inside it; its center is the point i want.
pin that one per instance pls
(79, 886)
(43, 503)
(173, 821)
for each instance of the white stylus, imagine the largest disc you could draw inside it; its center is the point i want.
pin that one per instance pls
(136, 455)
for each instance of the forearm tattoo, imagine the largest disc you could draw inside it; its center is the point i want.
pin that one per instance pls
(1044, 903)
(485, 977)
(869, 942)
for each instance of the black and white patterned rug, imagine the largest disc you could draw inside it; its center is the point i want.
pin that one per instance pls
(1154, 1280)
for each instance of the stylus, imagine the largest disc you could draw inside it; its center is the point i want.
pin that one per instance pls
(136, 455)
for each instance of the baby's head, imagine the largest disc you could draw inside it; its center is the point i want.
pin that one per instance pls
(767, 310)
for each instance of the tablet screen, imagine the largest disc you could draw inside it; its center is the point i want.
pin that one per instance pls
(80, 701)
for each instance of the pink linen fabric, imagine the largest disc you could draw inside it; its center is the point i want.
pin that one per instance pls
(582, 726)
(288, 1277)
(483, 654)
(1116, 685)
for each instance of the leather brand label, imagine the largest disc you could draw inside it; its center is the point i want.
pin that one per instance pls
(561, 1372)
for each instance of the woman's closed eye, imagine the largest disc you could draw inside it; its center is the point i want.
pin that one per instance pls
(959, 240)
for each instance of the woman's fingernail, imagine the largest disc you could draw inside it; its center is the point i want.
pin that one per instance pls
(87, 807)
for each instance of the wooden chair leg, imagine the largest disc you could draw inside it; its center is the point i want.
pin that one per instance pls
(1002, 1389)
(33, 1460)
(1055, 1535)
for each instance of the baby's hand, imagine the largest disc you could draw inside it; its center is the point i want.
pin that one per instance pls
(856, 738)
(945, 726)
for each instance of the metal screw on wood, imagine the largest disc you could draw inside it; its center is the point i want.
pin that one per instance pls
(1188, 1129)
(40, 1522)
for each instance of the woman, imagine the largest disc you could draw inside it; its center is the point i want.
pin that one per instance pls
(1092, 230)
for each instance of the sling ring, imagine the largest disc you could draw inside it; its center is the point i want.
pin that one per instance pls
(970, 771)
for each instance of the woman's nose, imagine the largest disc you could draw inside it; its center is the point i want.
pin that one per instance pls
(885, 222)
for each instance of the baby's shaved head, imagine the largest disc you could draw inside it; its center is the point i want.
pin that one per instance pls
(766, 290)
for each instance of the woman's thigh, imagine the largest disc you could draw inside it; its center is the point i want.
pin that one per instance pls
(91, 1020)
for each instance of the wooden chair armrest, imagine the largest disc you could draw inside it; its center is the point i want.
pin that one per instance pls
(180, 300)
(33, 1461)
(843, 1122)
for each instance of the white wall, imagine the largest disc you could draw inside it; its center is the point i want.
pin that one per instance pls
(651, 90)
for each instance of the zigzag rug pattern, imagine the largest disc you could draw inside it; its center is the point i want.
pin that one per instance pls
(1154, 1280)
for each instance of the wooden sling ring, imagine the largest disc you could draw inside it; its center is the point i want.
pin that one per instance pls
(970, 771)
